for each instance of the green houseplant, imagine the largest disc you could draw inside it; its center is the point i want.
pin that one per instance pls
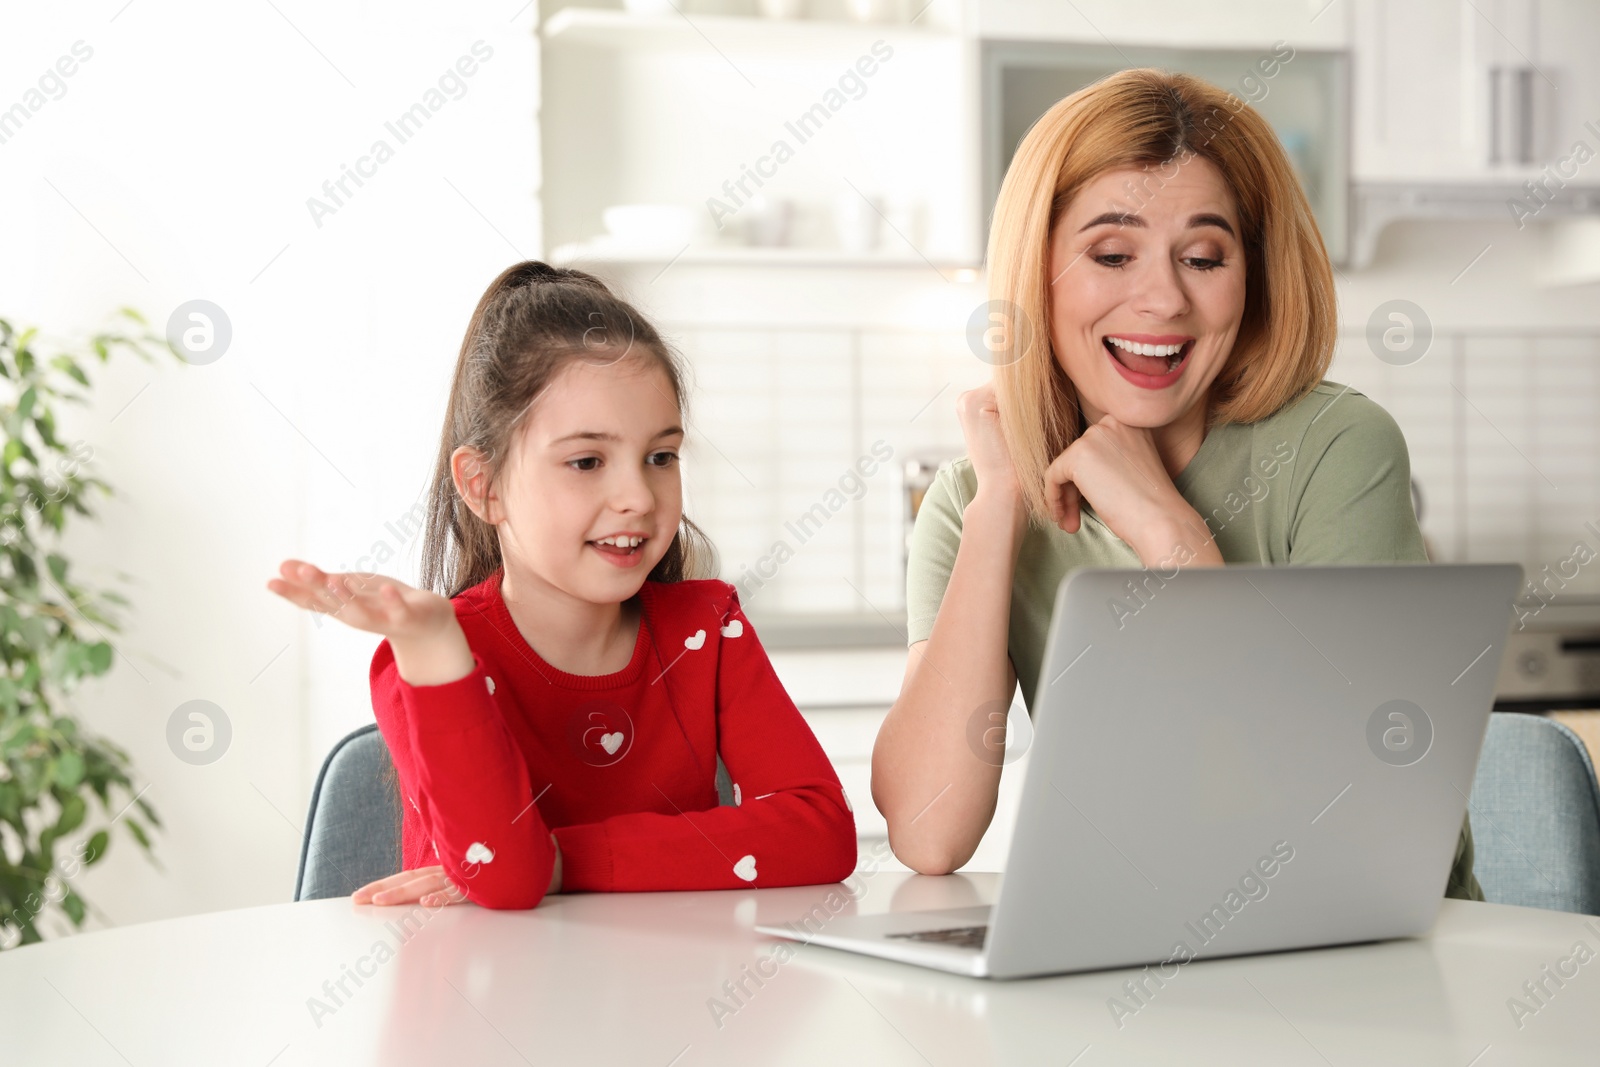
(52, 636)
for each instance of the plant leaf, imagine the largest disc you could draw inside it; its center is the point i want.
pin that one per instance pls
(69, 769)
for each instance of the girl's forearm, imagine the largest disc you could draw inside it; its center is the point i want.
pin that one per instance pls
(936, 790)
(436, 659)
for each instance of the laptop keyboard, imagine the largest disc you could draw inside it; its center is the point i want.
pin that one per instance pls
(958, 936)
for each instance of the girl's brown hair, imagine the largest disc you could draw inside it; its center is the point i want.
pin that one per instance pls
(533, 320)
(1152, 118)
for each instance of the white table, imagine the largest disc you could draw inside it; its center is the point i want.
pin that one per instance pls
(630, 979)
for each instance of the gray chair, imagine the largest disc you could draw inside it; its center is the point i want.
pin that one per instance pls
(353, 825)
(1535, 811)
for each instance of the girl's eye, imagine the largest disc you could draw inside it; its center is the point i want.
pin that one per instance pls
(663, 459)
(1203, 264)
(1105, 260)
(586, 463)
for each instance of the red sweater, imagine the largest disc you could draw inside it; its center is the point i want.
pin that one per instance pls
(622, 767)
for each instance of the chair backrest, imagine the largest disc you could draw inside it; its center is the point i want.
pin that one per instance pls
(352, 832)
(353, 826)
(1535, 811)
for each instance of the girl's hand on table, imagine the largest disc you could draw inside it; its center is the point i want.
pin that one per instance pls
(430, 886)
(427, 886)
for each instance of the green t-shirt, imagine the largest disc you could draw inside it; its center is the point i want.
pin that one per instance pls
(1325, 479)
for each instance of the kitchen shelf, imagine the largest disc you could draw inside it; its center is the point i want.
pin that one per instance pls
(605, 28)
(745, 256)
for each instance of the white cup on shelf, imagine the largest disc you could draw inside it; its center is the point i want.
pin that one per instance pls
(876, 10)
(650, 226)
(768, 220)
(906, 216)
(782, 9)
(858, 221)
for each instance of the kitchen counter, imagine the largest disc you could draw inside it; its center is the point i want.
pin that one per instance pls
(805, 630)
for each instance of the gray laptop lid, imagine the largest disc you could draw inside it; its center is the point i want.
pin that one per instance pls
(1248, 758)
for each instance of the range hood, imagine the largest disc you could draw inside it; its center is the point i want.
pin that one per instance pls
(1538, 201)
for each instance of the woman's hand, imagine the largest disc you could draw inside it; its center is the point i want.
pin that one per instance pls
(427, 886)
(1117, 468)
(979, 412)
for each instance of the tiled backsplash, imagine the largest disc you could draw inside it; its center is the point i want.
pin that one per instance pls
(1503, 430)
(798, 437)
(1504, 435)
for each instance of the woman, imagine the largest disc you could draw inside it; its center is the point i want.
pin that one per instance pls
(1157, 400)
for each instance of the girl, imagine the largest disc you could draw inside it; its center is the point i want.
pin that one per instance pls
(1152, 232)
(556, 720)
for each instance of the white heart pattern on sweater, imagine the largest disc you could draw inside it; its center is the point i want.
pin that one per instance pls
(488, 681)
(733, 629)
(611, 742)
(737, 799)
(478, 852)
(746, 868)
(696, 641)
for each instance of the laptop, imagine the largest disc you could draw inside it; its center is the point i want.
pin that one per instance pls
(1230, 760)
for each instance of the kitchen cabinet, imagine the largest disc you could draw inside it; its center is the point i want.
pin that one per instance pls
(1463, 91)
(1420, 91)
(1474, 109)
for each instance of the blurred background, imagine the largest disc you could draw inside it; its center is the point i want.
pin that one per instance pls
(798, 193)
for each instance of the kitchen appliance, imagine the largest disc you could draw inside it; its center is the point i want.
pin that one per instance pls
(915, 477)
(1303, 93)
(1552, 663)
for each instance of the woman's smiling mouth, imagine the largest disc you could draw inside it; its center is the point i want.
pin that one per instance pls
(1150, 361)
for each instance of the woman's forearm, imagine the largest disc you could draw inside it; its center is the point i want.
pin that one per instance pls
(933, 777)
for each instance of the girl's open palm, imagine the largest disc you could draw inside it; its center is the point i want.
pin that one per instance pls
(372, 602)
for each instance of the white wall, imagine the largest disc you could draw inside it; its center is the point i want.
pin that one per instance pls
(177, 165)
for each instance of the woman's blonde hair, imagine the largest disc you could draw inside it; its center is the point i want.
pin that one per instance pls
(1154, 119)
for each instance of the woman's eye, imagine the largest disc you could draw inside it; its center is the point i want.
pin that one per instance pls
(1105, 260)
(663, 459)
(1199, 263)
(587, 463)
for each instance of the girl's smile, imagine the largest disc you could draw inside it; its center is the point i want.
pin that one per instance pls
(621, 549)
